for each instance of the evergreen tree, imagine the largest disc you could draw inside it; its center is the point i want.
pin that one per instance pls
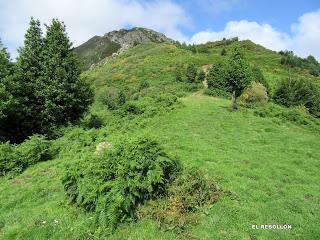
(5, 96)
(5, 64)
(66, 96)
(191, 73)
(23, 119)
(239, 73)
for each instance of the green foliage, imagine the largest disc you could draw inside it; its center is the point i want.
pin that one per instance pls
(217, 77)
(201, 76)
(113, 182)
(239, 73)
(298, 115)
(191, 73)
(292, 92)
(178, 75)
(93, 121)
(15, 158)
(258, 77)
(112, 97)
(216, 92)
(223, 52)
(143, 84)
(292, 61)
(46, 84)
(5, 65)
(190, 191)
(254, 94)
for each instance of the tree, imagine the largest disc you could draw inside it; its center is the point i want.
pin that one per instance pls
(46, 85)
(23, 119)
(239, 73)
(191, 73)
(65, 95)
(5, 64)
(258, 77)
(217, 77)
(201, 76)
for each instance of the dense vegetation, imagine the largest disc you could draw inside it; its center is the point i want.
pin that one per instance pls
(44, 89)
(154, 158)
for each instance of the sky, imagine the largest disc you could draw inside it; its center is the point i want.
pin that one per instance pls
(275, 24)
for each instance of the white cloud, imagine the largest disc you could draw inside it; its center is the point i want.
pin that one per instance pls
(307, 35)
(86, 18)
(304, 39)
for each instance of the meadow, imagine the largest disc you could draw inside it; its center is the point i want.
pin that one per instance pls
(266, 166)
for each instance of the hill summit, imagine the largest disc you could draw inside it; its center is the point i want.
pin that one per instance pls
(100, 47)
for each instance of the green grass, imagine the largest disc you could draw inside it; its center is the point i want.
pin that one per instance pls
(268, 169)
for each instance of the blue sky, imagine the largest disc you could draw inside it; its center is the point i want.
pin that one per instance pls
(280, 24)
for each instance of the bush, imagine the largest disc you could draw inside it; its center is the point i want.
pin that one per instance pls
(112, 97)
(93, 121)
(166, 100)
(190, 191)
(191, 73)
(9, 160)
(216, 92)
(114, 182)
(292, 92)
(259, 78)
(217, 77)
(201, 76)
(15, 158)
(297, 115)
(254, 94)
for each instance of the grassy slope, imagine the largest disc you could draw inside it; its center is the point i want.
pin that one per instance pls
(269, 167)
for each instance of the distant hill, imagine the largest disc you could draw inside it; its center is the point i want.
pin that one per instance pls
(100, 47)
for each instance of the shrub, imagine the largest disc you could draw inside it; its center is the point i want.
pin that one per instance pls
(201, 76)
(166, 100)
(259, 78)
(217, 77)
(112, 97)
(297, 115)
(190, 191)
(34, 150)
(216, 92)
(191, 73)
(15, 158)
(254, 94)
(292, 92)
(9, 160)
(143, 84)
(223, 52)
(93, 121)
(114, 182)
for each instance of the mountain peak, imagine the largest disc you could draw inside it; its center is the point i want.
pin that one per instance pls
(100, 47)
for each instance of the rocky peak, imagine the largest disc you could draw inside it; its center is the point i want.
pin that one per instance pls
(128, 38)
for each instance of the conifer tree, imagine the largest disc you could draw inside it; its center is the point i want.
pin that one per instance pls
(5, 96)
(4, 62)
(66, 96)
(23, 120)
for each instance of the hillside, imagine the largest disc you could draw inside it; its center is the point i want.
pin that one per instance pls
(100, 47)
(266, 166)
